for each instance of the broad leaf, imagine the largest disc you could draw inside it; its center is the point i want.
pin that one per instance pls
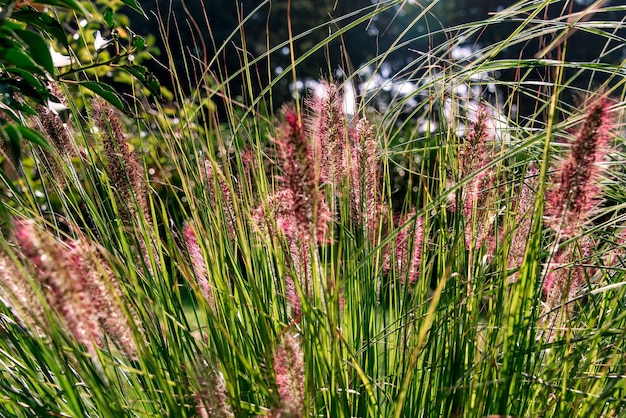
(13, 134)
(19, 58)
(145, 77)
(69, 4)
(38, 47)
(107, 93)
(108, 17)
(47, 24)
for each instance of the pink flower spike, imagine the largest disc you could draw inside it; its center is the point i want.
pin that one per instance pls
(198, 263)
(299, 176)
(478, 193)
(289, 373)
(224, 202)
(408, 257)
(577, 192)
(327, 130)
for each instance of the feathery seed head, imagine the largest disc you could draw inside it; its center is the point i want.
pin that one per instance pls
(67, 292)
(408, 249)
(296, 160)
(198, 262)
(123, 168)
(364, 177)
(328, 132)
(225, 201)
(576, 192)
(289, 373)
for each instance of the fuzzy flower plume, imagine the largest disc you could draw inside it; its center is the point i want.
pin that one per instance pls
(78, 285)
(364, 177)
(212, 398)
(577, 193)
(296, 160)
(67, 292)
(289, 373)
(476, 195)
(125, 174)
(54, 129)
(568, 272)
(58, 135)
(327, 129)
(408, 249)
(19, 295)
(104, 292)
(53, 126)
(291, 294)
(123, 168)
(275, 216)
(213, 174)
(522, 221)
(198, 263)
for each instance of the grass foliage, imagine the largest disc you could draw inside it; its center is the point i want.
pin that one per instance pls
(428, 259)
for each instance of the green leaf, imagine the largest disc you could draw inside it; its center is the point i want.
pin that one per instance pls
(135, 6)
(138, 71)
(32, 135)
(5, 11)
(139, 42)
(145, 77)
(19, 58)
(107, 93)
(14, 134)
(153, 84)
(69, 4)
(25, 88)
(8, 111)
(47, 24)
(29, 78)
(108, 17)
(38, 48)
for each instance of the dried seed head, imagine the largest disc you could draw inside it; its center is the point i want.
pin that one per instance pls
(212, 398)
(58, 134)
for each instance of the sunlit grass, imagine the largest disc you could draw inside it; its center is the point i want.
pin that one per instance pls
(216, 322)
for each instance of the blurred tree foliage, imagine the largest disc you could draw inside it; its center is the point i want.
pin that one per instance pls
(53, 48)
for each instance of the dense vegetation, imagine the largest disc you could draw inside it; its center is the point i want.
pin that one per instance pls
(448, 243)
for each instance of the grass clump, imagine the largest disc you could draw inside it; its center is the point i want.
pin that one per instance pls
(443, 257)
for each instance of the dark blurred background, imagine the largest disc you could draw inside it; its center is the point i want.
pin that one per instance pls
(197, 29)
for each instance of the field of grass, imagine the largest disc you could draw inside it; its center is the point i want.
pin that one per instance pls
(456, 259)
